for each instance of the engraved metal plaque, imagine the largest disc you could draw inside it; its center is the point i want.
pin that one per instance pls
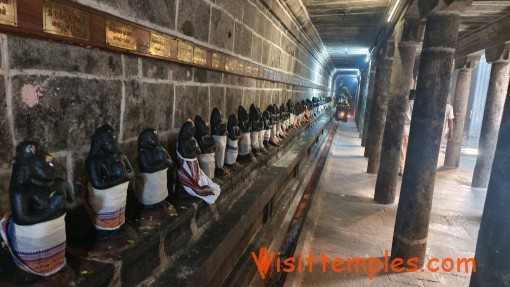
(159, 45)
(185, 52)
(66, 21)
(216, 61)
(240, 67)
(247, 69)
(229, 63)
(120, 35)
(200, 56)
(8, 12)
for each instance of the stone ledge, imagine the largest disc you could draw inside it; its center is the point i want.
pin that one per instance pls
(161, 244)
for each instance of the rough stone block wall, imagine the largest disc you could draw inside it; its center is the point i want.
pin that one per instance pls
(59, 94)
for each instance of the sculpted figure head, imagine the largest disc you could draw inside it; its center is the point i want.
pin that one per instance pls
(234, 133)
(217, 126)
(148, 138)
(205, 141)
(104, 141)
(187, 145)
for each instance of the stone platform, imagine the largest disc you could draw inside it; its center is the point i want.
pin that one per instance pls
(193, 246)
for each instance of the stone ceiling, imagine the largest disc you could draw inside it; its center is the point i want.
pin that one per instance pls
(348, 27)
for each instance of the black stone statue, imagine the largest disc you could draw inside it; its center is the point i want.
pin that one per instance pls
(109, 173)
(156, 168)
(246, 126)
(219, 134)
(207, 146)
(257, 126)
(35, 233)
(234, 134)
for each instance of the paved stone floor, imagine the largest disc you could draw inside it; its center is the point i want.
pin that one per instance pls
(348, 223)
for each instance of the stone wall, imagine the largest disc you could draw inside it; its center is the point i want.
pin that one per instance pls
(59, 94)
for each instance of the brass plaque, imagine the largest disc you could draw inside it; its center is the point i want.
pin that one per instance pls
(247, 69)
(120, 35)
(200, 56)
(216, 61)
(173, 48)
(229, 64)
(8, 12)
(185, 52)
(240, 67)
(66, 21)
(159, 45)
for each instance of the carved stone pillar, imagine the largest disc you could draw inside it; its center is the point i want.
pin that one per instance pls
(415, 203)
(496, 93)
(368, 106)
(379, 108)
(492, 246)
(401, 74)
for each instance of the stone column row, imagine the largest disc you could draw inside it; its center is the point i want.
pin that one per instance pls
(368, 106)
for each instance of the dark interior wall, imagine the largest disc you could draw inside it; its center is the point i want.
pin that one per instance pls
(58, 94)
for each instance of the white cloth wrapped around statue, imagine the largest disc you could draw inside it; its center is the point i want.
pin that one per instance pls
(39, 248)
(232, 151)
(245, 144)
(195, 182)
(261, 139)
(274, 134)
(154, 189)
(108, 206)
(254, 140)
(207, 163)
(267, 135)
(221, 145)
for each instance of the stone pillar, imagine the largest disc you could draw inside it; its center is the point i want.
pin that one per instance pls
(361, 81)
(415, 203)
(496, 93)
(401, 75)
(368, 106)
(460, 103)
(492, 246)
(379, 108)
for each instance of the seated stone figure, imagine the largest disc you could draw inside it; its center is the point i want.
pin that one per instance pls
(155, 165)
(290, 111)
(234, 134)
(273, 139)
(35, 233)
(192, 179)
(279, 126)
(246, 126)
(109, 173)
(257, 127)
(207, 147)
(268, 125)
(262, 147)
(219, 134)
(285, 117)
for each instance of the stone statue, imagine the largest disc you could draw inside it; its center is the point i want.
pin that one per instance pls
(279, 125)
(285, 118)
(268, 125)
(257, 126)
(192, 179)
(219, 133)
(290, 111)
(260, 116)
(246, 126)
(35, 233)
(207, 147)
(155, 167)
(273, 139)
(109, 173)
(234, 134)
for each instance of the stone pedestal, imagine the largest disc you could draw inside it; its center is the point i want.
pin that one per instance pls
(368, 107)
(402, 70)
(415, 203)
(496, 93)
(378, 113)
(492, 246)
(460, 103)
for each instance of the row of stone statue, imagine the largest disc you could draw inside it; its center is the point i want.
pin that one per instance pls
(35, 233)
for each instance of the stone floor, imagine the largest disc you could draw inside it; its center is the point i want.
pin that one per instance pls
(348, 223)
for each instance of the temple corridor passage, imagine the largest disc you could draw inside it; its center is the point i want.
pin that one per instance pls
(349, 224)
